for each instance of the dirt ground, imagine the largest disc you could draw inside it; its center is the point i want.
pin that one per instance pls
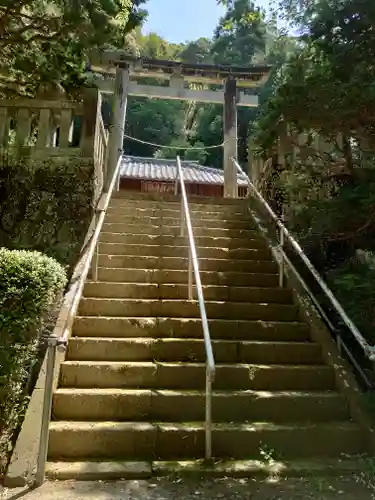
(349, 488)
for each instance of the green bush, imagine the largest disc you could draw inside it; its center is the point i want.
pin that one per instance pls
(354, 285)
(30, 282)
(46, 205)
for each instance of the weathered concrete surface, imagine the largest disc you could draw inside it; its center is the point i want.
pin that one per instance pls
(137, 331)
(216, 489)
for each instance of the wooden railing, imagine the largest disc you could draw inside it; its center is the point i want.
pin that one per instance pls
(44, 128)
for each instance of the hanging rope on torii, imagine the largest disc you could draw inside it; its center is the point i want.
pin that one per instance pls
(121, 75)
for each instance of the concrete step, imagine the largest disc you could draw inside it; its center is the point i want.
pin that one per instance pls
(175, 212)
(168, 441)
(101, 326)
(146, 199)
(178, 276)
(144, 228)
(160, 375)
(187, 309)
(132, 387)
(223, 223)
(202, 241)
(180, 406)
(168, 292)
(173, 209)
(183, 251)
(178, 263)
(98, 470)
(225, 351)
(112, 470)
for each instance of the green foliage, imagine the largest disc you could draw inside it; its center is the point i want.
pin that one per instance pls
(354, 285)
(43, 41)
(30, 282)
(198, 155)
(46, 205)
(184, 150)
(329, 84)
(152, 120)
(197, 52)
(335, 223)
(155, 47)
(326, 213)
(240, 34)
(209, 131)
(327, 87)
(242, 37)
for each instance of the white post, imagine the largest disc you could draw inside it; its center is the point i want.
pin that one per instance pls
(208, 429)
(116, 135)
(282, 261)
(190, 276)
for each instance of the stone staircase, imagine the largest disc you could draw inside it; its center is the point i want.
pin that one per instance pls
(131, 396)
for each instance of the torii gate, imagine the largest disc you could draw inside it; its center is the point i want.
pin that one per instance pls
(232, 83)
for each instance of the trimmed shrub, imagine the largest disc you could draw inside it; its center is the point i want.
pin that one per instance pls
(30, 282)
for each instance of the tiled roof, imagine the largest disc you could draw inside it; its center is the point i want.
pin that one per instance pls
(156, 169)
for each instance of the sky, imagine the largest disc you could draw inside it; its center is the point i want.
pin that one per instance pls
(182, 20)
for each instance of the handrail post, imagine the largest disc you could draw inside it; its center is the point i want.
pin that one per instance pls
(282, 260)
(176, 182)
(182, 218)
(208, 429)
(190, 276)
(117, 187)
(46, 412)
(96, 263)
(193, 271)
(339, 342)
(95, 259)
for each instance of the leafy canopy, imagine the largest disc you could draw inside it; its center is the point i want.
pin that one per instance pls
(43, 41)
(329, 84)
(240, 33)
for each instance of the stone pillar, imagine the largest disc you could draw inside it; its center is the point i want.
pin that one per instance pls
(116, 136)
(230, 138)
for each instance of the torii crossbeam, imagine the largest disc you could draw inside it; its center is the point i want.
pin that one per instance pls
(232, 89)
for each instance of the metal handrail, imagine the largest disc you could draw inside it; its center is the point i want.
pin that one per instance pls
(368, 350)
(193, 265)
(60, 343)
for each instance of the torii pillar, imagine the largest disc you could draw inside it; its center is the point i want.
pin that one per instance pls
(116, 136)
(230, 138)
